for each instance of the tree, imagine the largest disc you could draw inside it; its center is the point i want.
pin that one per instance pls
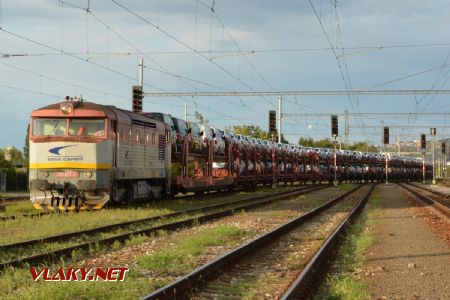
(309, 142)
(200, 119)
(255, 132)
(26, 148)
(14, 155)
(4, 164)
(327, 143)
(363, 146)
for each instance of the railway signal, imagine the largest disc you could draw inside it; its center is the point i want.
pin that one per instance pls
(272, 122)
(334, 126)
(433, 134)
(137, 98)
(334, 134)
(423, 142)
(386, 135)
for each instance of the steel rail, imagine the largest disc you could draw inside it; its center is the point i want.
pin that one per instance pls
(433, 191)
(184, 197)
(55, 255)
(431, 202)
(32, 215)
(183, 286)
(309, 278)
(100, 229)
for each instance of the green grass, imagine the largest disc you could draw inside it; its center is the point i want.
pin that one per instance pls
(346, 186)
(53, 224)
(26, 228)
(245, 289)
(181, 257)
(14, 253)
(17, 207)
(342, 284)
(18, 284)
(46, 223)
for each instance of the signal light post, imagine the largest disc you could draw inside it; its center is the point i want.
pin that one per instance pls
(137, 98)
(423, 146)
(272, 132)
(386, 142)
(334, 134)
(433, 134)
(272, 122)
(444, 167)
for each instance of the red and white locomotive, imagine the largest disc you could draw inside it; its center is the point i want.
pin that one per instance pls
(83, 155)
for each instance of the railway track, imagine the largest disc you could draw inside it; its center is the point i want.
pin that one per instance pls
(32, 215)
(215, 213)
(106, 228)
(184, 197)
(269, 254)
(432, 198)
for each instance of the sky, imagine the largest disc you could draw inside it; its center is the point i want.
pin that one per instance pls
(50, 49)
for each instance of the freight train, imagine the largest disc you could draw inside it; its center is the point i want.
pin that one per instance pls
(84, 155)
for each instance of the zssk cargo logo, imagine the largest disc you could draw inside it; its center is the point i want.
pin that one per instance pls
(79, 274)
(58, 157)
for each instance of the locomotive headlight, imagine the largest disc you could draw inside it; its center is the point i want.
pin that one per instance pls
(45, 174)
(66, 108)
(88, 174)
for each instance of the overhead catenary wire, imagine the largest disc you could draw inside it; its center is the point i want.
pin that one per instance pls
(73, 56)
(162, 69)
(409, 76)
(79, 58)
(30, 91)
(235, 43)
(233, 52)
(343, 55)
(333, 50)
(145, 20)
(41, 75)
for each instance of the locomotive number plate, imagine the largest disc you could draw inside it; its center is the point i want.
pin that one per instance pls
(67, 174)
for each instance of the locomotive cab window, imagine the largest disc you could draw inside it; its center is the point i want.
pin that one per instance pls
(87, 127)
(49, 127)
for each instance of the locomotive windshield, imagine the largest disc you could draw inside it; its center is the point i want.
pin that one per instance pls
(87, 127)
(49, 127)
(76, 127)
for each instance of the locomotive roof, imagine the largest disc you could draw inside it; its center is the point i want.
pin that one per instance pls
(90, 109)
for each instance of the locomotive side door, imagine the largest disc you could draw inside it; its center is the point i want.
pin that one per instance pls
(116, 141)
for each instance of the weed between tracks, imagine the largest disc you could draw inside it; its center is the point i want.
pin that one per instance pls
(17, 207)
(31, 228)
(181, 256)
(342, 284)
(15, 283)
(47, 247)
(346, 186)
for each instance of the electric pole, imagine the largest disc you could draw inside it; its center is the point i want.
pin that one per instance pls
(280, 114)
